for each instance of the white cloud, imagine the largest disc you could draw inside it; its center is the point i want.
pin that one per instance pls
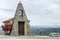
(53, 6)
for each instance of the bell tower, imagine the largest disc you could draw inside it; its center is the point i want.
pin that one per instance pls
(20, 22)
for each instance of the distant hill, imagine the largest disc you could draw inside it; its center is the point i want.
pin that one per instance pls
(1, 32)
(45, 31)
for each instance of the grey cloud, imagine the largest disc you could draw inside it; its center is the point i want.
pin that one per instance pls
(38, 11)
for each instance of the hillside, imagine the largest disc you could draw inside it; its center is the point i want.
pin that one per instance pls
(44, 31)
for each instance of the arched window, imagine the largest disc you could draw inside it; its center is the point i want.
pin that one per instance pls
(21, 12)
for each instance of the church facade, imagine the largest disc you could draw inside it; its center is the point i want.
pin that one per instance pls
(20, 23)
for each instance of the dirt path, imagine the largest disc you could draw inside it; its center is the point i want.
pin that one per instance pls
(27, 38)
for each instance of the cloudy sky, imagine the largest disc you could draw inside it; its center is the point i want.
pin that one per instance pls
(39, 12)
